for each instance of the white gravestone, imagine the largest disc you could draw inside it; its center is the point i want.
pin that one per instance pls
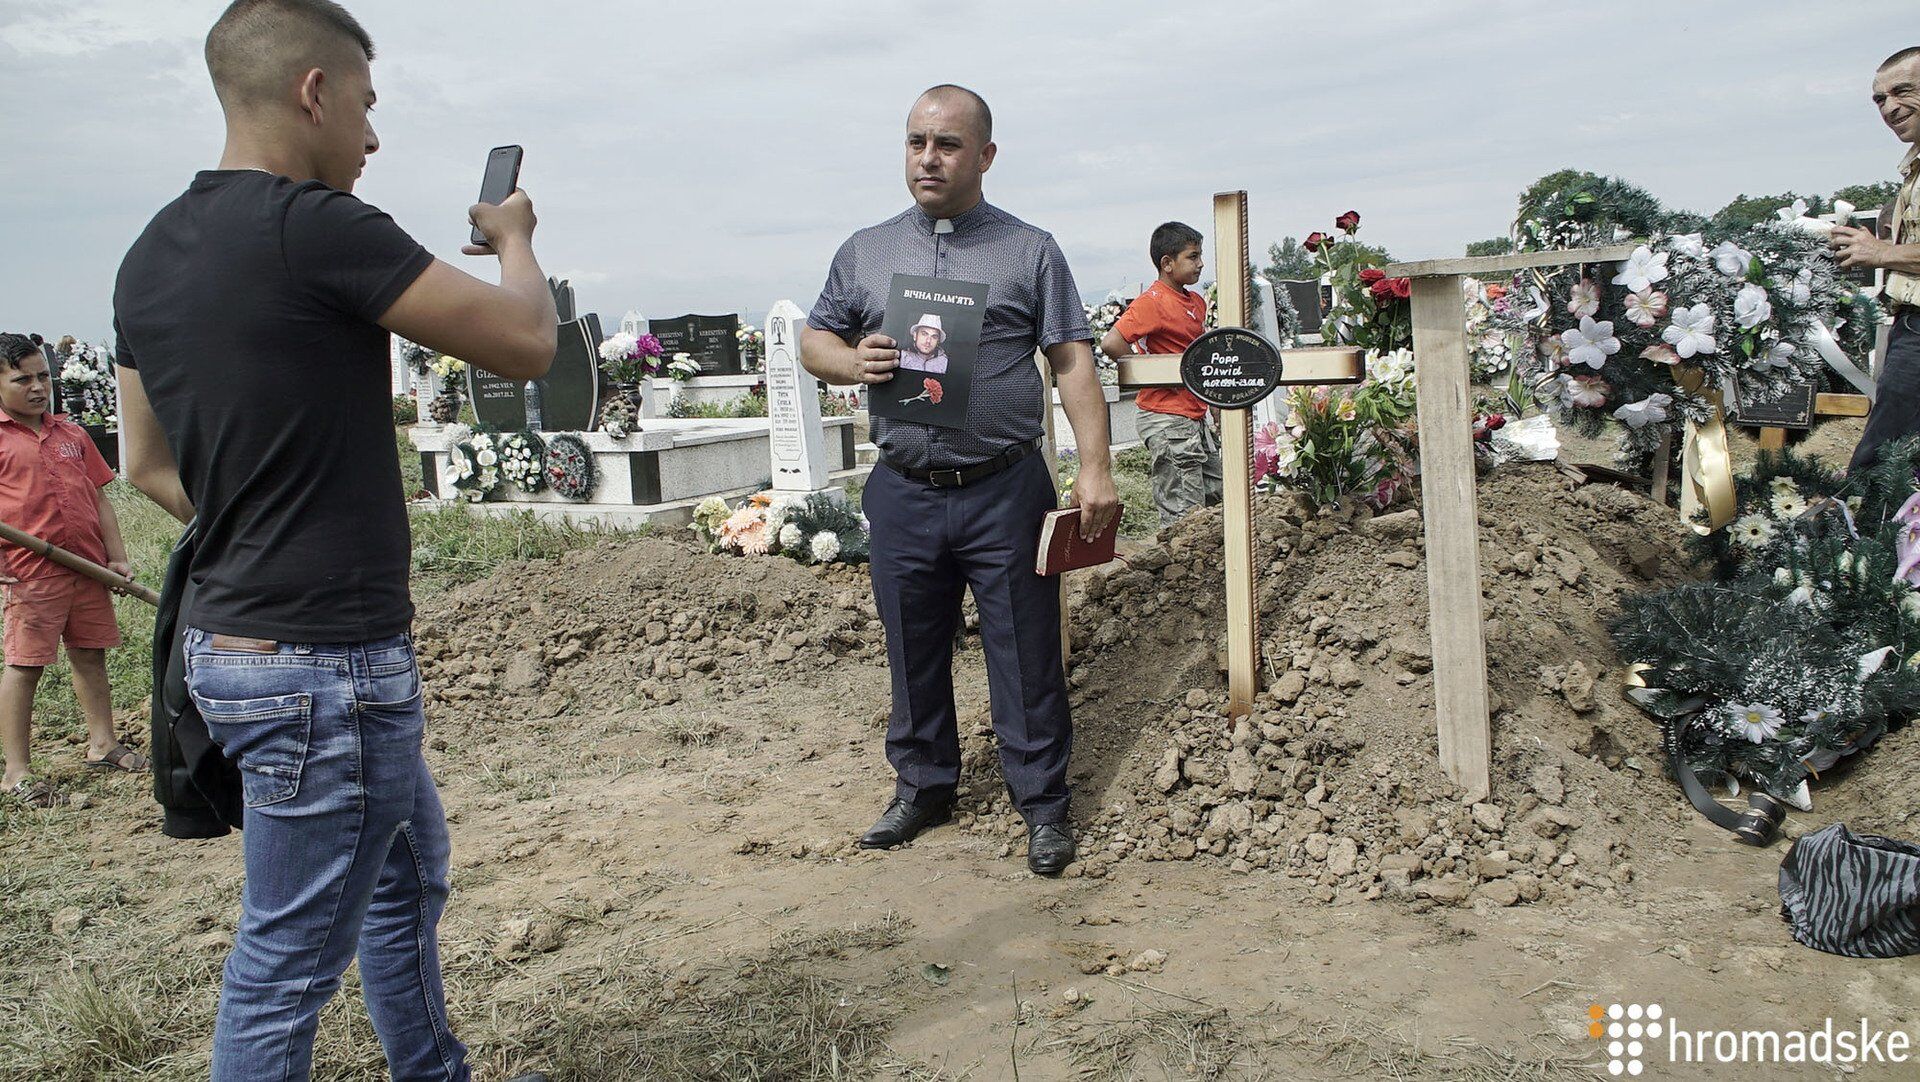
(798, 444)
(1268, 409)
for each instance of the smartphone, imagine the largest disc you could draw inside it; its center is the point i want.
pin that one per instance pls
(502, 179)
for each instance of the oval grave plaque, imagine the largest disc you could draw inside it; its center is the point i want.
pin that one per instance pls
(1230, 367)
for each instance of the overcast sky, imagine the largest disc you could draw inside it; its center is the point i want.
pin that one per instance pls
(709, 157)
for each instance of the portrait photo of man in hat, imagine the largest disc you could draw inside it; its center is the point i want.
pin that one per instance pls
(926, 350)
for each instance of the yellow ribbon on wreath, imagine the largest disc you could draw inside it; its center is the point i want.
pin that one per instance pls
(1706, 466)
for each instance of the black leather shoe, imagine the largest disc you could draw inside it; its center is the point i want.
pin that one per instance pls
(902, 822)
(1049, 849)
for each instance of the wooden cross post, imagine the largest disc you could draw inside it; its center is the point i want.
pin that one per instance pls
(1299, 366)
(1449, 506)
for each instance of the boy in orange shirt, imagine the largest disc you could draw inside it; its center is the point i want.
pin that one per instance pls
(51, 486)
(1166, 319)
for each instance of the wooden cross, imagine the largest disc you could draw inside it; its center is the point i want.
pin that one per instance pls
(1448, 503)
(1318, 365)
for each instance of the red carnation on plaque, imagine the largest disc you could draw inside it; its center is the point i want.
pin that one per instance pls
(1314, 242)
(930, 391)
(1348, 222)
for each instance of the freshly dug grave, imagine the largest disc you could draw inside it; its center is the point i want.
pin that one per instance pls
(1332, 781)
(1334, 778)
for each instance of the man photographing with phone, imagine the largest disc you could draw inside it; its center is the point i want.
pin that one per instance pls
(252, 317)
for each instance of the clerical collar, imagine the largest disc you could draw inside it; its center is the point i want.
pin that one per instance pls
(959, 223)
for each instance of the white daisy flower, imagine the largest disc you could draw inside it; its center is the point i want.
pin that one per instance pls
(1788, 504)
(1753, 531)
(1757, 721)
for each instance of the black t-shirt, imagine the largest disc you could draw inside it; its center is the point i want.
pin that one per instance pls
(249, 307)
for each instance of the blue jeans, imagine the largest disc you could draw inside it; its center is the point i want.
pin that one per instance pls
(346, 849)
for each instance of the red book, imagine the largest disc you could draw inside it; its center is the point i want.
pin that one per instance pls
(1061, 548)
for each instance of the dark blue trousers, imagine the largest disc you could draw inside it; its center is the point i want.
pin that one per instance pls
(1896, 405)
(929, 544)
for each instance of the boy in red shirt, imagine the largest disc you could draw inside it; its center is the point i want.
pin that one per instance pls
(51, 486)
(1166, 319)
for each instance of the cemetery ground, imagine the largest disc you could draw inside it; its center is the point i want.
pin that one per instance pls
(655, 761)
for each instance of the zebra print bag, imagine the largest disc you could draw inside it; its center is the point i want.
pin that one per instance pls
(1856, 895)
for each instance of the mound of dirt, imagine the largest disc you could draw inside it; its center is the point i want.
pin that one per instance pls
(651, 621)
(1332, 780)
(1334, 777)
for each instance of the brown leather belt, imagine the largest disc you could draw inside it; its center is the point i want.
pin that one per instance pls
(243, 645)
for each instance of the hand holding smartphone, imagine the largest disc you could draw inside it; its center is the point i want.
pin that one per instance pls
(501, 180)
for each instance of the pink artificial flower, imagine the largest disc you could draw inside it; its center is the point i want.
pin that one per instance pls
(1266, 450)
(1584, 300)
(1907, 548)
(647, 346)
(1554, 352)
(1645, 309)
(1660, 353)
(1587, 391)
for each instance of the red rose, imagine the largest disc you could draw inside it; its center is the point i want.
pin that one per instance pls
(1496, 421)
(1371, 275)
(1314, 242)
(1402, 287)
(1348, 222)
(1382, 290)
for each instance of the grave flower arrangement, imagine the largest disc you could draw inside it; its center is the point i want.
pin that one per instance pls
(1346, 443)
(817, 529)
(682, 367)
(753, 345)
(569, 467)
(1369, 310)
(1639, 341)
(473, 463)
(448, 368)
(619, 417)
(628, 359)
(87, 385)
(418, 358)
(523, 461)
(1806, 646)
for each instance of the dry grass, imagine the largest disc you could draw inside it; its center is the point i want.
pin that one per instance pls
(123, 998)
(1215, 1044)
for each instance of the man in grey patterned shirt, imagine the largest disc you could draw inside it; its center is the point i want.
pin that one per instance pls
(954, 509)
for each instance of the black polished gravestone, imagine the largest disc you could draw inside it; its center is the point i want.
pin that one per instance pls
(570, 394)
(562, 299)
(709, 340)
(498, 403)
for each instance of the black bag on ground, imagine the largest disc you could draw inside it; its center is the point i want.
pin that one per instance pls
(197, 786)
(1851, 894)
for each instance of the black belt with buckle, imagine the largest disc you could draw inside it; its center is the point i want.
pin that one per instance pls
(962, 476)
